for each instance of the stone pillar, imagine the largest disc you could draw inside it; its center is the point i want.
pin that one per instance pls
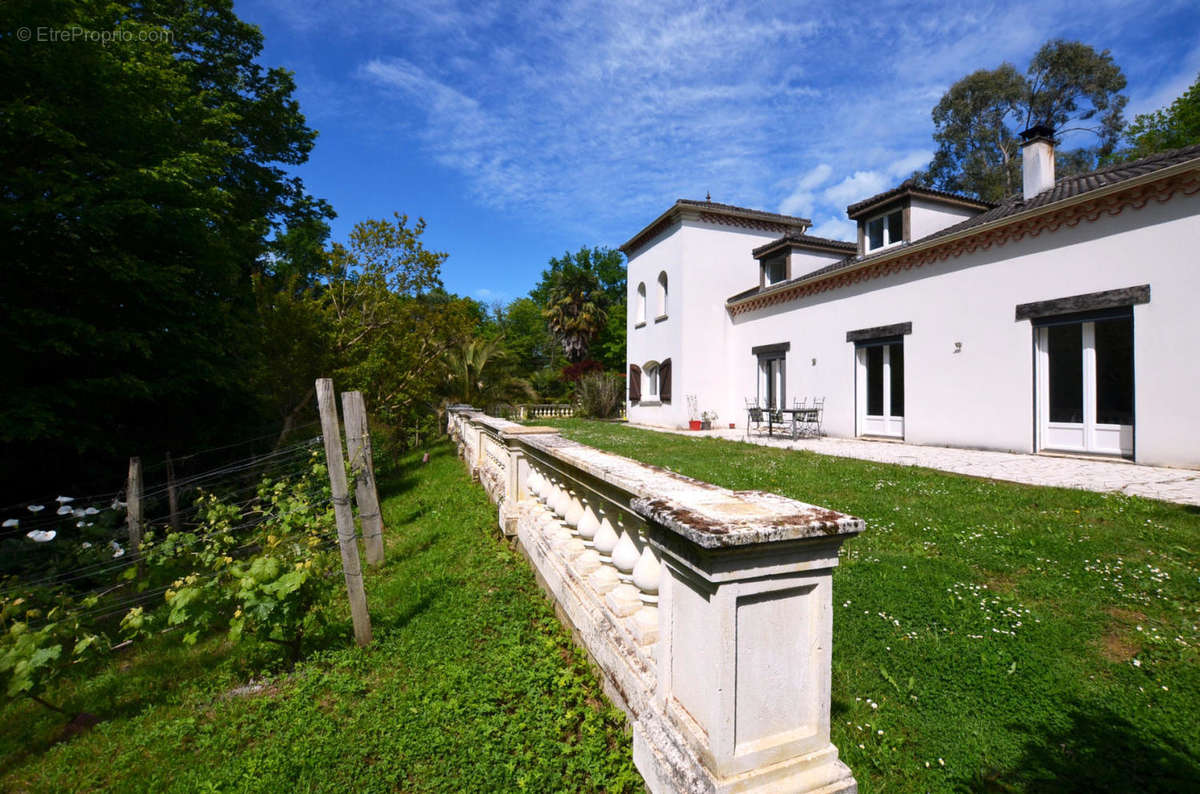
(744, 660)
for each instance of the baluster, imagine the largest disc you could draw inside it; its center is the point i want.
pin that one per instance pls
(557, 532)
(573, 546)
(625, 555)
(625, 599)
(561, 499)
(588, 524)
(646, 577)
(574, 510)
(532, 483)
(604, 578)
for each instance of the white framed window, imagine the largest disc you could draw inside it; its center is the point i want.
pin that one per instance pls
(650, 374)
(771, 381)
(774, 271)
(884, 230)
(662, 294)
(641, 304)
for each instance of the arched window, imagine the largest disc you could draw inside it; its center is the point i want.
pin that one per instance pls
(662, 294)
(641, 303)
(650, 373)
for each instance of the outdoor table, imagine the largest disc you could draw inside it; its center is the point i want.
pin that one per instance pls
(798, 415)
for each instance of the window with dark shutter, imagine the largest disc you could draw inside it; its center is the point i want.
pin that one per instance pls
(635, 383)
(664, 381)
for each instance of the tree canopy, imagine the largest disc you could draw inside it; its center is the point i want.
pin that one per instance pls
(143, 178)
(580, 293)
(1168, 128)
(1068, 87)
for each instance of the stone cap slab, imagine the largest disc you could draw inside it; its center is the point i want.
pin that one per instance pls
(527, 430)
(492, 423)
(705, 514)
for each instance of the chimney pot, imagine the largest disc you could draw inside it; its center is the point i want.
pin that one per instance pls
(1037, 160)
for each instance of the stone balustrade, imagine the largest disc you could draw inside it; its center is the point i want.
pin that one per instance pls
(708, 612)
(534, 411)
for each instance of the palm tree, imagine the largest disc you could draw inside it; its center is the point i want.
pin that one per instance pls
(469, 377)
(575, 310)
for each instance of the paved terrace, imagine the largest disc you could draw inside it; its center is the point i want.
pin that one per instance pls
(1155, 482)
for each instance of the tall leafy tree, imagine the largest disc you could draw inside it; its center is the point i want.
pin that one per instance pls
(975, 130)
(389, 320)
(527, 341)
(1168, 128)
(1068, 87)
(575, 310)
(579, 294)
(142, 178)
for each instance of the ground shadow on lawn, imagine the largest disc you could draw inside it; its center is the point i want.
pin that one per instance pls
(402, 478)
(1100, 751)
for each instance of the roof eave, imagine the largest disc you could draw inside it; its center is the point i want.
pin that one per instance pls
(874, 206)
(681, 210)
(774, 247)
(1070, 201)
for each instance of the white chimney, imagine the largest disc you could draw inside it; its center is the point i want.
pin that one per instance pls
(1037, 160)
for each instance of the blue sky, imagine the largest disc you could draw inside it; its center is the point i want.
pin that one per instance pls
(519, 131)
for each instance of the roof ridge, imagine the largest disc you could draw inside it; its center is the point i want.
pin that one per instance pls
(910, 185)
(792, 237)
(734, 207)
(1152, 157)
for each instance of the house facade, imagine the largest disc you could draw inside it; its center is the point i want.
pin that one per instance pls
(1062, 320)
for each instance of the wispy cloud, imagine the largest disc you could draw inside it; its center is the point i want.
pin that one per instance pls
(596, 115)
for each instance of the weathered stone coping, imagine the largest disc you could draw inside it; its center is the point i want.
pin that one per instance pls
(705, 514)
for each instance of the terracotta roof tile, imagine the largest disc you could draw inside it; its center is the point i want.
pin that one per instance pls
(1065, 188)
(806, 240)
(908, 187)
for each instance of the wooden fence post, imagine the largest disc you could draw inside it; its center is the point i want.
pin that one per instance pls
(133, 504)
(343, 513)
(172, 495)
(358, 444)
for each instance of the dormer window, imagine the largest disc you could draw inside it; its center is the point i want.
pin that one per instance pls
(885, 230)
(774, 271)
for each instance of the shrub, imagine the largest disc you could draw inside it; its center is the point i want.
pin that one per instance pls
(600, 394)
(266, 568)
(573, 373)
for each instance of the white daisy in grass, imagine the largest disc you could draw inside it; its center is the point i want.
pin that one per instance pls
(36, 508)
(11, 523)
(62, 500)
(41, 535)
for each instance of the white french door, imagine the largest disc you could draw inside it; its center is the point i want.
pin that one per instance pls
(880, 385)
(771, 380)
(1085, 386)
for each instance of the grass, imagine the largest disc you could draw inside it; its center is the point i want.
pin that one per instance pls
(989, 636)
(471, 685)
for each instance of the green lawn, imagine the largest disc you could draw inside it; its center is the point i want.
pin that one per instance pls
(471, 685)
(989, 636)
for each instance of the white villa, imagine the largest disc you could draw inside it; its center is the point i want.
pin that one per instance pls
(1065, 319)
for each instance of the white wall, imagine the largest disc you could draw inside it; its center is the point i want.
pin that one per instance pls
(705, 264)
(804, 262)
(654, 341)
(983, 396)
(927, 217)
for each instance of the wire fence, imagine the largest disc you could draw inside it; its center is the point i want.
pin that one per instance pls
(44, 552)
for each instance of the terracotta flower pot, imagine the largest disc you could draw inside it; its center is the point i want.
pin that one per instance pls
(694, 424)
